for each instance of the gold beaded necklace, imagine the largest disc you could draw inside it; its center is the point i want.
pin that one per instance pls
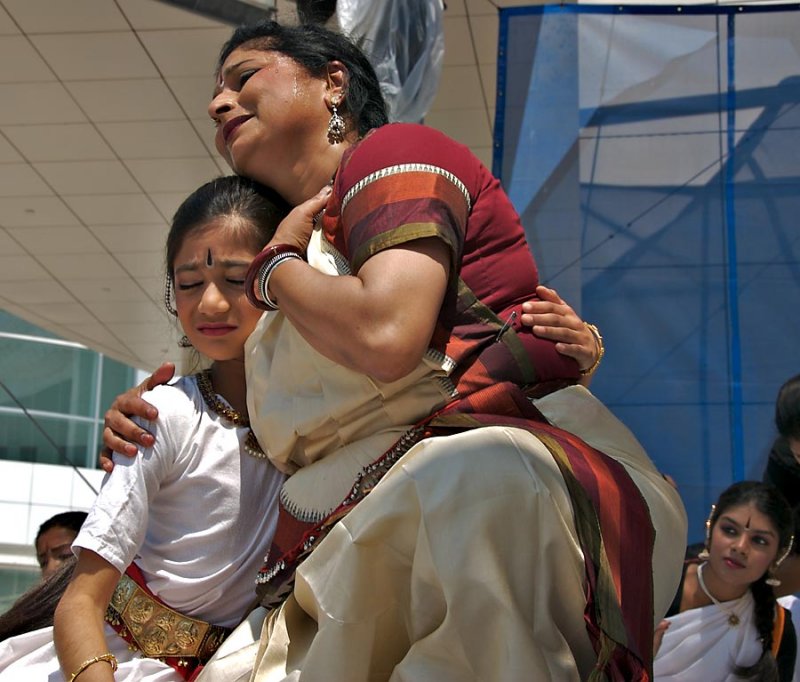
(213, 403)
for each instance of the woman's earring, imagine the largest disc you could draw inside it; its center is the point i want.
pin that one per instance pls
(704, 555)
(184, 342)
(336, 126)
(772, 581)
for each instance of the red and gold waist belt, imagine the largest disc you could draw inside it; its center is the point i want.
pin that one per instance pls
(159, 631)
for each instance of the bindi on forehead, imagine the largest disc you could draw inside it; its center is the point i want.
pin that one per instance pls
(209, 259)
(746, 526)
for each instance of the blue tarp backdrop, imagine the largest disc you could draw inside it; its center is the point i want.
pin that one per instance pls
(653, 153)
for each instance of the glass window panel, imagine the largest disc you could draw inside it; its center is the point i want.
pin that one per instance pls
(55, 381)
(66, 440)
(116, 379)
(48, 377)
(13, 582)
(14, 325)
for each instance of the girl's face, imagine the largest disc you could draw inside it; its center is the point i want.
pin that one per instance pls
(744, 544)
(269, 112)
(210, 269)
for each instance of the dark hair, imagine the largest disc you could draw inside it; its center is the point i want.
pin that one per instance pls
(259, 209)
(72, 520)
(772, 504)
(35, 608)
(313, 46)
(787, 409)
(315, 11)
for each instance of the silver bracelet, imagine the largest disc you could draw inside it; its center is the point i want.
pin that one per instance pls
(266, 272)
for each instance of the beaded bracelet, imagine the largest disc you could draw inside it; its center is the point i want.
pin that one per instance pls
(254, 271)
(266, 272)
(601, 349)
(109, 658)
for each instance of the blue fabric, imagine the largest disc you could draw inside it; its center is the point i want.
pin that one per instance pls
(654, 156)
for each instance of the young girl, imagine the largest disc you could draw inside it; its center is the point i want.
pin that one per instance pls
(167, 556)
(725, 623)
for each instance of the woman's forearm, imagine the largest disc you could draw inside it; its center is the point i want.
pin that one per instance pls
(378, 323)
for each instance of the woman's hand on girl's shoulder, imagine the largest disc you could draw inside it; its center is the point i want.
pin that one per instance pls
(120, 433)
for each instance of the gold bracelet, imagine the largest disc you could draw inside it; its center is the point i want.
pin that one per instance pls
(601, 349)
(109, 658)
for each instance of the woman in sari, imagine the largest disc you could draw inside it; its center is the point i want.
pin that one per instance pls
(457, 507)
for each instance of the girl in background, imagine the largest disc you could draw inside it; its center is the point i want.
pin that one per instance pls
(725, 623)
(54, 539)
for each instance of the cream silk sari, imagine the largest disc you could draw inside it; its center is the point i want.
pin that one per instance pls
(462, 564)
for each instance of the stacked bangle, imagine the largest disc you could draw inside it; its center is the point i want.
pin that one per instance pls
(265, 272)
(261, 270)
(601, 349)
(109, 658)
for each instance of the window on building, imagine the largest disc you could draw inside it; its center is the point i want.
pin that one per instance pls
(64, 389)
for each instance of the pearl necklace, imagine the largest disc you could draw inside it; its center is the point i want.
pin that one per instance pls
(733, 618)
(213, 402)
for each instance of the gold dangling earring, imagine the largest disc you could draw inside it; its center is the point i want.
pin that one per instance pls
(772, 581)
(704, 555)
(336, 125)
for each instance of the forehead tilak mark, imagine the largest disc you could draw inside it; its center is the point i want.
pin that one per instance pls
(209, 259)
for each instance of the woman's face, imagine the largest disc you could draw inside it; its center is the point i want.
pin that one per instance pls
(210, 269)
(744, 544)
(270, 115)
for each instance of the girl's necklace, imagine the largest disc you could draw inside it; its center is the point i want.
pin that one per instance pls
(733, 619)
(213, 402)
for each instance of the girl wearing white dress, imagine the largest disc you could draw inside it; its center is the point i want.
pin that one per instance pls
(167, 555)
(725, 623)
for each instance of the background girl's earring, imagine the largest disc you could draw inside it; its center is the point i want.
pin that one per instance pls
(772, 581)
(704, 555)
(336, 126)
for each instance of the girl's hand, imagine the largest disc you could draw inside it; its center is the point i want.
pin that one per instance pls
(552, 318)
(658, 635)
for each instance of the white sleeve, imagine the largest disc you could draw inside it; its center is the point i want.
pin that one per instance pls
(116, 525)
